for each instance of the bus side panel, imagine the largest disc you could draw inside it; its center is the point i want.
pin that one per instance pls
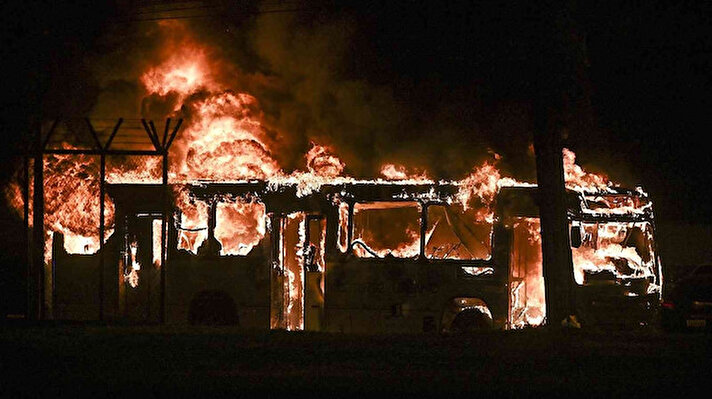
(402, 296)
(245, 279)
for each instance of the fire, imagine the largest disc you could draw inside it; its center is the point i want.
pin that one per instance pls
(480, 187)
(181, 72)
(131, 277)
(70, 207)
(156, 241)
(400, 238)
(225, 138)
(343, 234)
(393, 172)
(193, 219)
(399, 172)
(321, 162)
(241, 225)
(527, 282)
(624, 250)
(181, 77)
(14, 195)
(292, 263)
(133, 169)
(578, 179)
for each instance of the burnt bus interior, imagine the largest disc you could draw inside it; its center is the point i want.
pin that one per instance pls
(354, 257)
(617, 271)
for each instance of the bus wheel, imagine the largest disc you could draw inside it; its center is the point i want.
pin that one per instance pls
(471, 320)
(213, 308)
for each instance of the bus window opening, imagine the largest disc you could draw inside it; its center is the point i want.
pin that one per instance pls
(454, 233)
(386, 228)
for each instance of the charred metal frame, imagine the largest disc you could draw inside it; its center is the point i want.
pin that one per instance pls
(282, 199)
(36, 245)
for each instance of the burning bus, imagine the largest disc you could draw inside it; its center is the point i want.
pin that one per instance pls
(222, 223)
(359, 256)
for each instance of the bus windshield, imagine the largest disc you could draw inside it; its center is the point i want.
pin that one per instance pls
(612, 251)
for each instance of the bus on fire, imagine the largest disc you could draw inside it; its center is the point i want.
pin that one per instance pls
(359, 257)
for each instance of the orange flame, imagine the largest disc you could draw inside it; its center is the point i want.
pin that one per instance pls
(321, 162)
(399, 172)
(186, 68)
(578, 179)
(224, 140)
(479, 189)
(240, 226)
(182, 74)
(193, 221)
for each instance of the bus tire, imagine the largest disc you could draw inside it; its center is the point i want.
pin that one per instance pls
(470, 320)
(213, 308)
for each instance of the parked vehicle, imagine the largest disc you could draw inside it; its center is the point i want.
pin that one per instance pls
(689, 303)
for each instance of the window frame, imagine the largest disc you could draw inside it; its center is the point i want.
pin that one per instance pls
(426, 220)
(351, 225)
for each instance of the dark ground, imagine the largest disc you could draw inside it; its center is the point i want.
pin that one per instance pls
(62, 360)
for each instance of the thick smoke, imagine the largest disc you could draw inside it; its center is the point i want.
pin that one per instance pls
(313, 80)
(296, 71)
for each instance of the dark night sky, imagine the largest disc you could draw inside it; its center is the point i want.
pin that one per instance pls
(463, 64)
(648, 81)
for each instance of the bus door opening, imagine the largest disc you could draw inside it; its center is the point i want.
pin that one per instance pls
(297, 283)
(314, 267)
(526, 279)
(140, 265)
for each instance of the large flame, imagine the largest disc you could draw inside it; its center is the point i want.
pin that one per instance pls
(224, 140)
(71, 201)
(240, 226)
(183, 73)
(185, 66)
(578, 179)
(480, 188)
(321, 162)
